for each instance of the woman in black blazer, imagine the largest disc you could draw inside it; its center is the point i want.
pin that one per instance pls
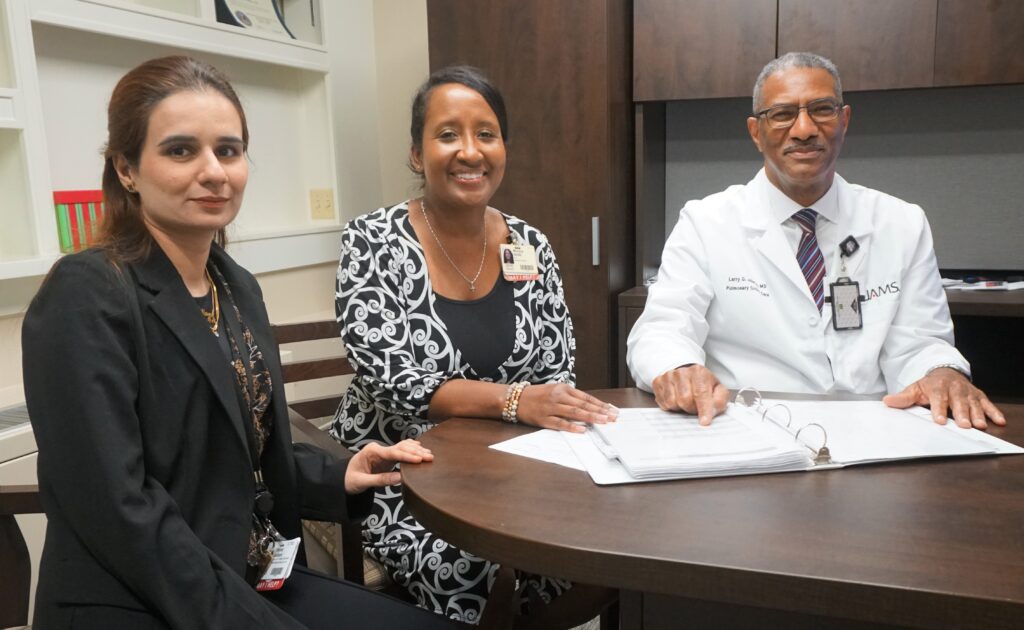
(155, 391)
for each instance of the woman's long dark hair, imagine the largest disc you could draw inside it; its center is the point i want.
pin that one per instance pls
(123, 233)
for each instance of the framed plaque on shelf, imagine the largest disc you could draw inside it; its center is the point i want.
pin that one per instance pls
(258, 15)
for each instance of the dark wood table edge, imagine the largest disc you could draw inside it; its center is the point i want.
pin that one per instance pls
(797, 594)
(865, 602)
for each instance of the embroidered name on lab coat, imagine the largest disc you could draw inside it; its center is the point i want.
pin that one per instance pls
(741, 283)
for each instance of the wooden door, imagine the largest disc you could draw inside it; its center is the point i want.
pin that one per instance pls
(563, 67)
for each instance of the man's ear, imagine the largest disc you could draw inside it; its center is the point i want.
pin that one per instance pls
(754, 131)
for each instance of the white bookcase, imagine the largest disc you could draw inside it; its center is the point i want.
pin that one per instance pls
(59, 61)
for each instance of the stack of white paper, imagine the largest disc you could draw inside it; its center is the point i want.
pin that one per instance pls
(650, 444)
(653, 444)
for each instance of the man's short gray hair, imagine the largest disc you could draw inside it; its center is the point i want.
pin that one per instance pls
(796, 60)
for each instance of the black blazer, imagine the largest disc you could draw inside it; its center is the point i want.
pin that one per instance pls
(144, 468)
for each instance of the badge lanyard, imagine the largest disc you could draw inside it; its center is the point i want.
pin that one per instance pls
(276, 554)
(273, 556)
(844, 293)
(264, 499)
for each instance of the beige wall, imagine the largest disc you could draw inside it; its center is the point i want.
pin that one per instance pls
(400, 28)
(299, 295)
(353, 76)
(10, 360)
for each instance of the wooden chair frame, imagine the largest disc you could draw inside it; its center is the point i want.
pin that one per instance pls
(15, 564)
(350, 564)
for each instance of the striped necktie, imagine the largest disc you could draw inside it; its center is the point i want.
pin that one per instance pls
(808, 254)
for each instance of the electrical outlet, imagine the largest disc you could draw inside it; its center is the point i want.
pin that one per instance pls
(321, 203)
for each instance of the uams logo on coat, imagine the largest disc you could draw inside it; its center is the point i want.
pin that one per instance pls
(741, 283)
(893, 287)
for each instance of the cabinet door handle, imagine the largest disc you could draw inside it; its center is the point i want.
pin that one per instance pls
(595, 241)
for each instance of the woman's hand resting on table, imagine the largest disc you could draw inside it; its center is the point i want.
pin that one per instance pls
(371, 466)
(562, 407)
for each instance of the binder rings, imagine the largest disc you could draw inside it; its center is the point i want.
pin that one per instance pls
(757, 435)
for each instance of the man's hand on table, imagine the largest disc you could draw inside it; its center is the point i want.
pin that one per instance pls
(691, 389)
(945, 388)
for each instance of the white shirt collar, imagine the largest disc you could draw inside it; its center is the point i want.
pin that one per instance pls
(782, 207)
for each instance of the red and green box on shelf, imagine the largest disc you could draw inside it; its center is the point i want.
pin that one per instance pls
(78, 217)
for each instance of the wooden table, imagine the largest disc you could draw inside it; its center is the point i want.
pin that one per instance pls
(923, 544)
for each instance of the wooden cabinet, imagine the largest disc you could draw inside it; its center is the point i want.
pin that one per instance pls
(877, 44)
(563, 67)
(979, 43)
(631, 306)
(687, 49)
(700, 48)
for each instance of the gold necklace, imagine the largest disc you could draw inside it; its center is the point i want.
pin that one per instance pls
(213, 315)
(483, 255)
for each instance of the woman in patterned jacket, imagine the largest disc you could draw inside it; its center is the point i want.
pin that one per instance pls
(437, 326)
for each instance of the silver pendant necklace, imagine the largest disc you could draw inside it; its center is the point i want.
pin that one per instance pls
(483, 256)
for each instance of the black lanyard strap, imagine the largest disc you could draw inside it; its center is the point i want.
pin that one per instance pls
(264, 501)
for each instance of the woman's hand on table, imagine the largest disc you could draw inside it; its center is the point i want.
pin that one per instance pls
(562, 407)
(372, 466)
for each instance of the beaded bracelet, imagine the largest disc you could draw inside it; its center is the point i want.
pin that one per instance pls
(509, 412)
(506, 411)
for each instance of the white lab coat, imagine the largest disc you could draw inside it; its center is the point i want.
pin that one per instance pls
(730, 295)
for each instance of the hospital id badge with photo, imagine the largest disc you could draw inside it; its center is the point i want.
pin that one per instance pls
(518, 262)
(846, 309)
(284, 552)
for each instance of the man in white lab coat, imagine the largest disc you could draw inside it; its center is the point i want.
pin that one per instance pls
(844, 296)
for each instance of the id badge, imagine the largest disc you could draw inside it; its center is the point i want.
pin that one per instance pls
(846, 313)
(280, 567)
(518, 262)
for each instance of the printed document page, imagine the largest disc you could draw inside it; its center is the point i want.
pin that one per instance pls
(545, 444)
(869, 431)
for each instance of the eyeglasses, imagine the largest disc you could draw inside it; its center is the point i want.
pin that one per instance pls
(821, 110)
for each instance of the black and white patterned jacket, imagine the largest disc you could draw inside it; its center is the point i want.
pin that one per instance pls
(400, 347)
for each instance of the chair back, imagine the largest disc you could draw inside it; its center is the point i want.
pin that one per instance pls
(350, 543)
(15, 565)
(314, 368)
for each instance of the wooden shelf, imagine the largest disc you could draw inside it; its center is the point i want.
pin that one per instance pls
(26, 267)
(135, 21)
(59, 62)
